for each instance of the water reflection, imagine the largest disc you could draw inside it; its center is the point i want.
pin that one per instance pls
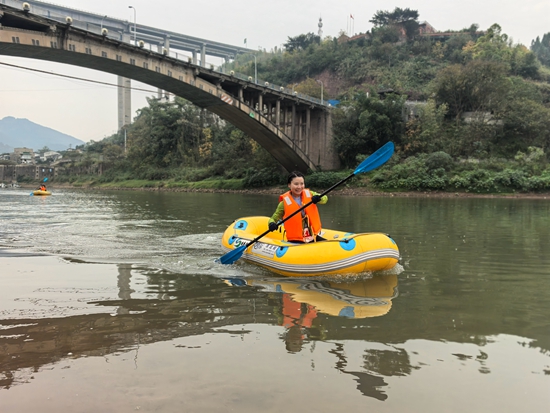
(471, 312)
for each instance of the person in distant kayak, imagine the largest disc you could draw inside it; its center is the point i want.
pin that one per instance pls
(42, 187)
(306, 225)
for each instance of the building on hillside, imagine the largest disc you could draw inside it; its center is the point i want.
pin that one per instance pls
(344, 38)
(23, 156)
(412, 110)
(51, 156)
(425, 28)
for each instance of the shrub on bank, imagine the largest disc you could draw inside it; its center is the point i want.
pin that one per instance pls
(325, 180)
(261, 178)
(437, 171)
(414, 174)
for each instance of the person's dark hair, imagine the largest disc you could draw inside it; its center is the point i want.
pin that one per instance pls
(295, 174)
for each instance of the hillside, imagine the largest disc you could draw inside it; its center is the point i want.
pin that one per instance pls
(467, 111)
(22, 133)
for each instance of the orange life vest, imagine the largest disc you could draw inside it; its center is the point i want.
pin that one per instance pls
(293, 227)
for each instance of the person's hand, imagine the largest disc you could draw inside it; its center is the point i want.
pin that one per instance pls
(315, 199)
(273, 226)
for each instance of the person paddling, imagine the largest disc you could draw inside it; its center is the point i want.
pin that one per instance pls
(304, 227)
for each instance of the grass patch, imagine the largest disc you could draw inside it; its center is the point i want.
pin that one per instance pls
(132, 183)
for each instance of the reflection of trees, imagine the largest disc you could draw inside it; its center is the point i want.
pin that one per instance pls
(388, 363)
(368, 384)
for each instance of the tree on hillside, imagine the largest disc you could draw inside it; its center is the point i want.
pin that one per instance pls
(406, 18)
(496, 46)
(310, 87)
(169, 134)
(541, 48)
(365, 123)
(301, 42)
(478, 86)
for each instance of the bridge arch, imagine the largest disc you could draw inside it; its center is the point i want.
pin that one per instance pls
(295, 131)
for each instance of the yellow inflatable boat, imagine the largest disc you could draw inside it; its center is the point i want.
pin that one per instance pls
(38, 192)
(341, 253)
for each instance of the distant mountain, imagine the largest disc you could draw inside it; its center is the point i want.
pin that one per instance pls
(22, 133)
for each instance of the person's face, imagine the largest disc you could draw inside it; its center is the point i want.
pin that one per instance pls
(296, 186)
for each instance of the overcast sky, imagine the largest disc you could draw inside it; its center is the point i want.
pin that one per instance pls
(88, 111)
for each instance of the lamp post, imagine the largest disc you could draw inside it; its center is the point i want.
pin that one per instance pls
(101, 29)
(319, 81)
(135, 33)
(255, 70)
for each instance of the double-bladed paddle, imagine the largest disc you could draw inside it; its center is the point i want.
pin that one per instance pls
(378, 158)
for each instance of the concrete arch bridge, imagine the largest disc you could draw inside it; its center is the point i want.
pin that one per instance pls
(295, 129)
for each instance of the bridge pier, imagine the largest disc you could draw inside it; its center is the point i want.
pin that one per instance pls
(124, 98)
(124, 95)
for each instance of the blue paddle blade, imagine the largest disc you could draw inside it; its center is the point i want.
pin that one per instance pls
(45, 179)
(232, 256)
(378, 158)
(31, 194)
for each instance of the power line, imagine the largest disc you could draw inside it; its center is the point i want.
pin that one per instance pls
(78, 78)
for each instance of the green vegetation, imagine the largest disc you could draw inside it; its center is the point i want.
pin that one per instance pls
(467, 110)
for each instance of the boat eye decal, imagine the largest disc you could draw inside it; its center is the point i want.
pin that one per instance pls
(241, 224)
(347, 244)
(281, 251)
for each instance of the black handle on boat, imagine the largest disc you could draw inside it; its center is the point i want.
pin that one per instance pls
(378, 158)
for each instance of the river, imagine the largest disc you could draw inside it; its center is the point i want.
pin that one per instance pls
(112, 301)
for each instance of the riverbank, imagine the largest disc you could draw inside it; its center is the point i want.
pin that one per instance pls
(346, 191)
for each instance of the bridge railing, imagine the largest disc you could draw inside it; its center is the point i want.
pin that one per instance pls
(242, 76)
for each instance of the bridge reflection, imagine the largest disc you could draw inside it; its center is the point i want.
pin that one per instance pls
(173, 306)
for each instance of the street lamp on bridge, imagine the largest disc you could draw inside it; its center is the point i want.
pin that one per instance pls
(255, 70)
(135, 32)
(103, 18)
(255, 67)
(319, 81)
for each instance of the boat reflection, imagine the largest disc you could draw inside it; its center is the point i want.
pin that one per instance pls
(302, 300)
(361, 298)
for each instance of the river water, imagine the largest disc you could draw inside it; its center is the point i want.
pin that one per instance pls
(113, 302)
